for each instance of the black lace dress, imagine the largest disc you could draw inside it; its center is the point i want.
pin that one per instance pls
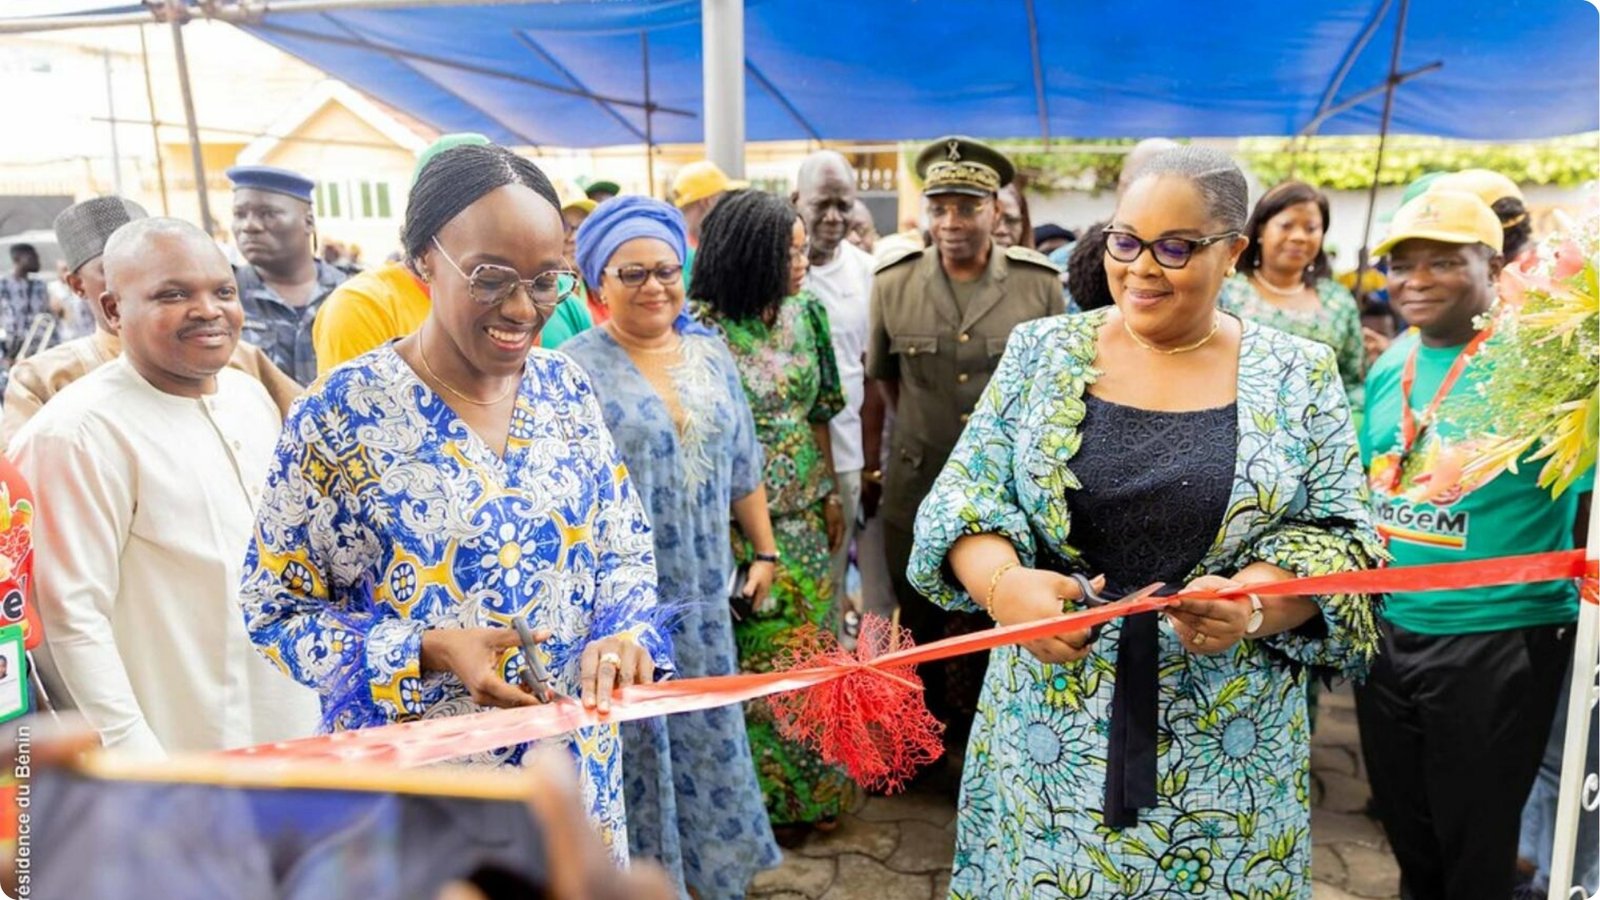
(1155, 488)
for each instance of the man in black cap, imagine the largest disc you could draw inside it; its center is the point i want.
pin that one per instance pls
(282, 284)
(939, 321)
(81, 231)
(1050, 236)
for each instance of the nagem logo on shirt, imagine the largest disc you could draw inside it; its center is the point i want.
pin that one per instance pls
(1419, 498)
(1401, 520)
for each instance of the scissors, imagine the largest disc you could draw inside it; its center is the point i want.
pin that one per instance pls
(534, 676)
(1094, 599)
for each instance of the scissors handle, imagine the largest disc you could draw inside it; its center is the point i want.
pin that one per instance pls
(1091, 598)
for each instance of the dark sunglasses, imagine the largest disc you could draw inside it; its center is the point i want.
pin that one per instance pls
(492, 285)
(1168, 252)
(635, 274)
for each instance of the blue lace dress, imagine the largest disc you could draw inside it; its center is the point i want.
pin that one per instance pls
(689, 779)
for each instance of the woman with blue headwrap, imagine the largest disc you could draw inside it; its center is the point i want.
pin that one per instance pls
(672, 398)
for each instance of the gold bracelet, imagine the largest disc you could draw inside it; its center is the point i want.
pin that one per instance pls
(994, 582)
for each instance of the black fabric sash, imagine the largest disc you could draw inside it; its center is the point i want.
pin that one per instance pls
(1131, 747)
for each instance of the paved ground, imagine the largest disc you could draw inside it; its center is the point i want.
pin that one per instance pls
(899, 848)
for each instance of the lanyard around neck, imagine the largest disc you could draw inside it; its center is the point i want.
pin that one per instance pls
(1410, 428)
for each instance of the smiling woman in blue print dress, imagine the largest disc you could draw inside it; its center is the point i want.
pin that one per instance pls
(430, 492)
(673, 400)
(1171, 754)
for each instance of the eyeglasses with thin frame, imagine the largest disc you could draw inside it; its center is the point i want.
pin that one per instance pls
(1168, 252)
(635, 274)
(491, 285)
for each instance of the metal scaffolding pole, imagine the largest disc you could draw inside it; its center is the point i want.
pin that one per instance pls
(175, 19)
(722, 61)
(111, 114)
(155, 129)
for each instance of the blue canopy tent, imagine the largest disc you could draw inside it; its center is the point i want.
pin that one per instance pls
(572, 73)
(585, 73)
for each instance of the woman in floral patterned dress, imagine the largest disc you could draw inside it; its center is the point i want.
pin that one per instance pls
(429, 492)
(1156, 440)
(1284, 280)
(747, 275)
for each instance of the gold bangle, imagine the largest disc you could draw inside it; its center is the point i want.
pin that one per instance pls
(994, 582)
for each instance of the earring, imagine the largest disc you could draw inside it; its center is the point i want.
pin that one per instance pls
(1231, 271)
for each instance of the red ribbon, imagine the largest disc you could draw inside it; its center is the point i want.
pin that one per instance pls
(430, 741)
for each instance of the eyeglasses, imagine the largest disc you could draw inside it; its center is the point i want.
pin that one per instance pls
(1168, 252)
(492, 285)
(635, 274)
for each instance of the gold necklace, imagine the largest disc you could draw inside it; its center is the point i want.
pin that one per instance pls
(423, 355)
(1216, 322)
(1261, 280)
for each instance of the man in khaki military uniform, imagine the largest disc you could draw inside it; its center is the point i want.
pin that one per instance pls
(939, 322)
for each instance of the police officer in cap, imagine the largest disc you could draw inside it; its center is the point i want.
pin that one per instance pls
(939, 322)
(282, 284)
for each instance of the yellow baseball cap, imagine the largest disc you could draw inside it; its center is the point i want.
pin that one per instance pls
(699, 180)
(1454, 217)
(1486, 183)
(571, 196)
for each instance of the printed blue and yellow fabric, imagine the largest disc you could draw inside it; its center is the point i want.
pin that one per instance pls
(1233, 743)
(385, 515)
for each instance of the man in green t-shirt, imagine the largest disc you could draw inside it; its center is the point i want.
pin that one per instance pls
(1456, 710)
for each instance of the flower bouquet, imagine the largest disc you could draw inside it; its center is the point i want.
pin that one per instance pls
(1539, 398)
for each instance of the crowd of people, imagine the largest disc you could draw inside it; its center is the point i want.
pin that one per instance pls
(289, 496)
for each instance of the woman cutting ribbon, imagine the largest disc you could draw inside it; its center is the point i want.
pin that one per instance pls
(1156, 440)
(428, 494)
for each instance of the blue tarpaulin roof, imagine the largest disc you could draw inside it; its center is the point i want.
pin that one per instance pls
(908, 69)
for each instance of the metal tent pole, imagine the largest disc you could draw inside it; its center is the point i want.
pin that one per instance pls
(1580, 789)
(722, 66)
(111, 113)
(1390, 83)
(175, 19)
(649, 115)
(155, 127)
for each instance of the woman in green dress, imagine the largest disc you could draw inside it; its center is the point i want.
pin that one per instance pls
(747, 276)
(1285, 282)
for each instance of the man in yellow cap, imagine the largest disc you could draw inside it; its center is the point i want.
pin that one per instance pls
(1505, 198)
(696, 191)
(1458, 705)
(939, 321)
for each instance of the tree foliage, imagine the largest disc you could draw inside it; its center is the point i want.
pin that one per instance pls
(1335, 163)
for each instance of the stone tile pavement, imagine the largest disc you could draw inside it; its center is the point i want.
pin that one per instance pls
(899, 848)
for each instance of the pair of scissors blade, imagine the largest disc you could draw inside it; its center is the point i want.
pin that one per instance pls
(534, 676)
(1146, 591)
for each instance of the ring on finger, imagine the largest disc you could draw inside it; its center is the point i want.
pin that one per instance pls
(611, 658)
(1199, 638)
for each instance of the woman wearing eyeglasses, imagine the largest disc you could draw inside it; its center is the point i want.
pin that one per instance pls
(672, 399)
(1158, 440)
(748, 274)
(436, 489)
(1284, 280)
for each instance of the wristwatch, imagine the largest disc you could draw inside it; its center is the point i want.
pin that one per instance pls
(1253, 624)
(766, 558)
